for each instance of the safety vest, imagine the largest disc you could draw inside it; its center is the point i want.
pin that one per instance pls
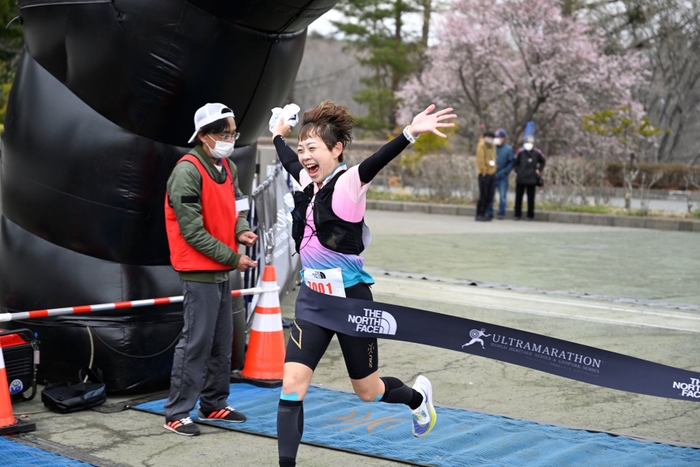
(218, 214)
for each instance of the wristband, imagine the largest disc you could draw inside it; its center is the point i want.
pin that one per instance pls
(409, 136)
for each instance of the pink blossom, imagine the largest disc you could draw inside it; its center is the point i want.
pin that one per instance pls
(508, 62)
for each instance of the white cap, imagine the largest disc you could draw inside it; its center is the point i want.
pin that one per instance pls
(207, 114)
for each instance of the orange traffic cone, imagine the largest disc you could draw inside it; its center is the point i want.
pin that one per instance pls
(8, 422)
(264, 360)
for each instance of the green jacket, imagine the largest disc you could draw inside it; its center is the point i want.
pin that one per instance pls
(186, 181)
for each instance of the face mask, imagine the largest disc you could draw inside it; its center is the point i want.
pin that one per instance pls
(528, 146)
(488, 141)
(222, 149)
(497, 141)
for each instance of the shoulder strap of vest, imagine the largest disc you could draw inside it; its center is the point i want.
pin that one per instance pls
(331, 183)
(193, 159)
(198, 163)
(201, 168)
(309, 189)
(337, 176)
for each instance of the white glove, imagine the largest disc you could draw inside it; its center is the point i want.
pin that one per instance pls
(290, 114)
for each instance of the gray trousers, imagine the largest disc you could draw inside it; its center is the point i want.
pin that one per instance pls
(202, 361)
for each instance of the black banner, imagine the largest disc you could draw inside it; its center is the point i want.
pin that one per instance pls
(364, 318)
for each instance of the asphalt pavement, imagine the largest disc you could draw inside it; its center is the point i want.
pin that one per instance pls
(631, 291)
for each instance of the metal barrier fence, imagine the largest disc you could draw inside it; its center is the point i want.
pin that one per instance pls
(270, 219)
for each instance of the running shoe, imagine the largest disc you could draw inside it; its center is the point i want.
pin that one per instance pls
(183, 426)
(424, 416)
(227, 414)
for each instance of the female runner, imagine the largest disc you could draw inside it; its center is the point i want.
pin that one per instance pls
(330, 234)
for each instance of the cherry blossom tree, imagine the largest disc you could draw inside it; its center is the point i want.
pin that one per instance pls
(509, 62)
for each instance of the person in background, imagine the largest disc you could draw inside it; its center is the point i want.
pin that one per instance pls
(205, 219)
(504, 164)
(529, 163)
(486, 169)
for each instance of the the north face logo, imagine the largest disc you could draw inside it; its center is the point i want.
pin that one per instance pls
(374, 322)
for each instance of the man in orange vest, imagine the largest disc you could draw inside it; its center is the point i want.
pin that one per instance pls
(205, 220)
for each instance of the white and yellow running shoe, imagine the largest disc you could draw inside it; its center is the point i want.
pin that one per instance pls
(424, 416)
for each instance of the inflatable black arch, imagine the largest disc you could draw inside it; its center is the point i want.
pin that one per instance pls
(99, 113)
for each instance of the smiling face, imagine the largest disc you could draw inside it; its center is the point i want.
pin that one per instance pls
(318, 160)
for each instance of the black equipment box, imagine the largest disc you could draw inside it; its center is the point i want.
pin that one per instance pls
(21, 354)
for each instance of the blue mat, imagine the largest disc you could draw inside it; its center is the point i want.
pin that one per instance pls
(17, 454)
(339, 420)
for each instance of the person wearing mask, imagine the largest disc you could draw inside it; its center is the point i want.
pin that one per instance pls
(504, 164)
(529, 163)
(205, 219)
(486, 169)
(330, 234)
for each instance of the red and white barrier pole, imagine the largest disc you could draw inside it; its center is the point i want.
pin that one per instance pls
(74, 310)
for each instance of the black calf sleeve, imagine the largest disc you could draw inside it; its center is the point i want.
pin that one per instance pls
(396, 392)
(290, 426)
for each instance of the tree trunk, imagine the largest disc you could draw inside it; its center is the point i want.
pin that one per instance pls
(427, 12)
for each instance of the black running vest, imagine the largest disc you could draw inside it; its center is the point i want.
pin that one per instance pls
(333, 232)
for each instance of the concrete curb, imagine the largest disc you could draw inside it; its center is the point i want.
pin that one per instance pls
(657, 223)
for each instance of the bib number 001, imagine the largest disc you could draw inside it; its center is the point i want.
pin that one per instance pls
(325, 281)
(321, 287)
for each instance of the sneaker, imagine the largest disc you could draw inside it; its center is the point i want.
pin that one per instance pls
(424, 416)
(183, 426)
(227, 414)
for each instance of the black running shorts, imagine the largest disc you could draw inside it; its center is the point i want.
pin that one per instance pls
(308, 342)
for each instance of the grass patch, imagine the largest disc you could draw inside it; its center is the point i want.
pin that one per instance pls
(406, 195)
(609, 210)
(403, 195)
(597, 209)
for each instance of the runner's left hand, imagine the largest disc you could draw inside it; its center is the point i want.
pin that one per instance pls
(427, 122)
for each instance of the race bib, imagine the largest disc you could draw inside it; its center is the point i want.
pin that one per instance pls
(326, 281)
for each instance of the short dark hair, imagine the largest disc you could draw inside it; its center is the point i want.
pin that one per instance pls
(218, 126)
(489, 134)
(329, 121)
